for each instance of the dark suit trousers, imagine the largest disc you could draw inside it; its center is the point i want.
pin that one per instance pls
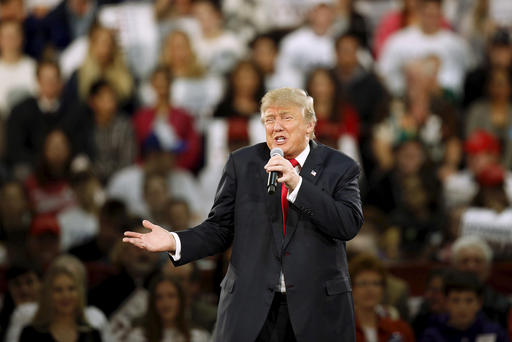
(277, 326)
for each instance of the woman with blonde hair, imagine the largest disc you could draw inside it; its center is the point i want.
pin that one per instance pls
(25, 313)
(191, 88)
(61, 313)
(103, 60)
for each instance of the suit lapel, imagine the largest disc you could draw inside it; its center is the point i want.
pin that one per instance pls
(311, 172)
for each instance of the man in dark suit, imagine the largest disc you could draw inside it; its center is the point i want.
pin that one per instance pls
(285, 282)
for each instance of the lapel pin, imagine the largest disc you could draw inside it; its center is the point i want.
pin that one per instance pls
(313, 172)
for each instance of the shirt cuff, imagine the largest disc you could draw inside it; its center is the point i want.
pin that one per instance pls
(293, 195)
(177, 253)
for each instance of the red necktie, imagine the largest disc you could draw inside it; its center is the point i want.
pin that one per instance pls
(284, 194)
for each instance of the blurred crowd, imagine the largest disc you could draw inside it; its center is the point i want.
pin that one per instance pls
(112, 111)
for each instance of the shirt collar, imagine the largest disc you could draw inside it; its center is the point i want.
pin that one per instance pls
(301, 158)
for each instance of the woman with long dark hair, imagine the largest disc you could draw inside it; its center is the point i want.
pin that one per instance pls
(165, 319)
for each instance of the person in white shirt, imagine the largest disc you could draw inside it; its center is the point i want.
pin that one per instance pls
(427, 40)
(307, 47)
(17, 70)
(217, 49)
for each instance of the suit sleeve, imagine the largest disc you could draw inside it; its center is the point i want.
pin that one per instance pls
(214, 235)
(338, 215)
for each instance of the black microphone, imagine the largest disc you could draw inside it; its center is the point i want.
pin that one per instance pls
(273, 175)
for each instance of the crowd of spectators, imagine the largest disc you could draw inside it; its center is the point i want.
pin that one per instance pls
(116, 110)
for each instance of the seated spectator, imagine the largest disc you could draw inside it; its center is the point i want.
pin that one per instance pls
(139, 40)
(104, 60)
(373, 322)
(79, 224)
(68, 21)
(348, 19)
(463, 320)
(490, 213)
(113, 219)
(245, 89)
(409, 195)
(25, 313)
(172, 16)
(397, 20)
(15, 219)
(494, 113)
(22, 287)
(424, 115)
(432, 303)
(128, 183)
(12, 10)
(201, 310)
(419, 42)
(19, 69)
(482, 152)
(32, 119)
(102, 131)
(476, 24)
(123, 297)
(48, 187)
(165, 317)
(178, 214)
(156, 197)
(61, 312)
(307, 47)
(472, 254)
(359, 84)
(396, 290)
(43, 242)
(498, 56)
(217, 49)
(356, 82)
(173, 125)
(192, 88)
(337, 122)
(264, 55)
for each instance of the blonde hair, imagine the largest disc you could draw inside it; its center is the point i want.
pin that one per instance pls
(290, 97)
(117, 73)
(194, 69)
(45, 313)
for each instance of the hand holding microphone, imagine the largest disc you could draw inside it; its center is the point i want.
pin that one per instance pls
(280, 170)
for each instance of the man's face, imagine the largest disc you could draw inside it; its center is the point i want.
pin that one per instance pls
(367, 289)
(462, 307)
(25, 288)
(434, 294)
(472, 259)
(264, 54)
(287, 129)
(50, 83)
(500, 56)
(346, 53)
(430, 17)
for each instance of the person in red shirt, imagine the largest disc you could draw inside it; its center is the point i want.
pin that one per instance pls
(173, 126)
(374, 322)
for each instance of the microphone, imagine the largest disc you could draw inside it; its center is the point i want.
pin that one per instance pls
(273, 175)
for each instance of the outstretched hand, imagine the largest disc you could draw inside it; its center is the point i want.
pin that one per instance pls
(157, 240)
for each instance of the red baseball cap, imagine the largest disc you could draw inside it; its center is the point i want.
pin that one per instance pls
(481, 141)
(44, 223)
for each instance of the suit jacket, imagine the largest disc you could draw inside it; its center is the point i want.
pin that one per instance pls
(326, 213)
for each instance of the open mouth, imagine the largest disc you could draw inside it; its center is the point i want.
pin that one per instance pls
(280, 140)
